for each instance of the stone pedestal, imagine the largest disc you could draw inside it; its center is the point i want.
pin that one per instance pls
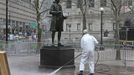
(55, 57)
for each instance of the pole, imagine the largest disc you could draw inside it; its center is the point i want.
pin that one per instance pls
(101, 41)
(69, 33)
(101, 28)
(6, 21)
(125, 47)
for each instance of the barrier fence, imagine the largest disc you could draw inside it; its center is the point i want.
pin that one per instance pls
(109, 53)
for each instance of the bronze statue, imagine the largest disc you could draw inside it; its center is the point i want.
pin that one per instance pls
(57, 21)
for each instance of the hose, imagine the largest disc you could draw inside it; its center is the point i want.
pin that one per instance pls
(105, 68)
(71, 60)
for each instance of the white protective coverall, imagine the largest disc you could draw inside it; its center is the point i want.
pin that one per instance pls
(88, 43)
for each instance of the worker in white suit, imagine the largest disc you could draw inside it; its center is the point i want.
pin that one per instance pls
(88, 43)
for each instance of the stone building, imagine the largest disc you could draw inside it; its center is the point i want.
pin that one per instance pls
(73, 25)
(21, 15)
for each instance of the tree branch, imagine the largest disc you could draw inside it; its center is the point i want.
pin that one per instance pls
(119, 8)
(115, 7)
(41, 4)
(44, 11)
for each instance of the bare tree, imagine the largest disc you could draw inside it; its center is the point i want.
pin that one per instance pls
(130, 6)
(116, 8)
(83, 5)
(40, 11)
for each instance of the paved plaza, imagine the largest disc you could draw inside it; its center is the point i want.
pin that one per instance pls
(29, 65)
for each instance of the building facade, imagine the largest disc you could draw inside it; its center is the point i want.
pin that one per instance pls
(21, 16)
(73, 25)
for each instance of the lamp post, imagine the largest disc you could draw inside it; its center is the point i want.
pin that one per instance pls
(101, 40)
(69, 32)
(6, 21)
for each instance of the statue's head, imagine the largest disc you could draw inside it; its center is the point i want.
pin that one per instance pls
(57, 1)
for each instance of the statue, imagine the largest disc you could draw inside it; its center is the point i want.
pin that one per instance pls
(106, 33)
(127, 22)
(57, 21)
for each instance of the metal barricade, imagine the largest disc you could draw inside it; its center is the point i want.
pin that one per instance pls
(22, 48)
(109, 54)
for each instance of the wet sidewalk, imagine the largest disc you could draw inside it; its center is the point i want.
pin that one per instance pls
(29, 65)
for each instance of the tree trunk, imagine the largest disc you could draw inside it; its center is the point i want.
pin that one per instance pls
(39, 44)
(117, 43)
(39, 33)
(84, 21)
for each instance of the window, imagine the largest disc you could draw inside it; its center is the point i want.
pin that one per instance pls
(20, 23)
(120, 25)
(103, 3)
(4, 21)
(130, 3)
(17, 23)
(9, 21)
(13, 22)
(89, 26)
(68, 27)
(114, 26)
(78, 3)
(23, 23)
(69, 4)
(78, 27)
(0, 19)
(91, 3)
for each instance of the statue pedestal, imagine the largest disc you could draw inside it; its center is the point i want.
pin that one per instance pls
(55, 57)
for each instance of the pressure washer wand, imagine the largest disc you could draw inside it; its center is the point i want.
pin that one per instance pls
(71, 60)
(53, 73)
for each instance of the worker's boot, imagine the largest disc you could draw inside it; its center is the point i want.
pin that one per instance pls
(80, 73)
(91, 74)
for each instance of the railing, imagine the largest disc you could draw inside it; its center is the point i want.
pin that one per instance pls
(31, 48)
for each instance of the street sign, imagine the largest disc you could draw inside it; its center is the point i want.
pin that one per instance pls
(33, 25)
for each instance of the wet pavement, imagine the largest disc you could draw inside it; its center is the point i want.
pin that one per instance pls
(29, 65)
